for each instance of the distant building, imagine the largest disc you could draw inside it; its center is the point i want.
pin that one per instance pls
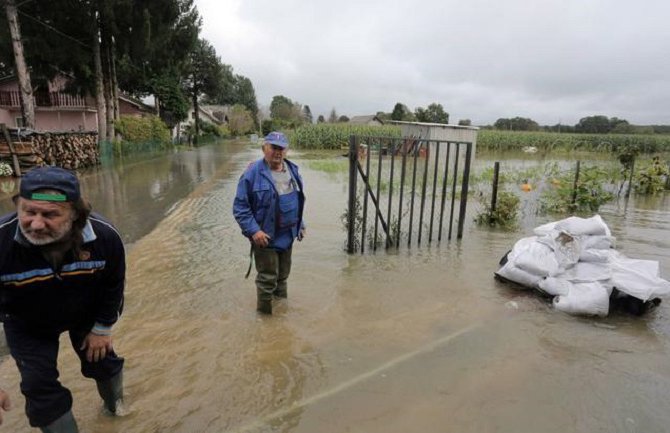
(58, 111)
(371, 120)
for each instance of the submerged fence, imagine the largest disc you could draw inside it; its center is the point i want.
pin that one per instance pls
(412, 188)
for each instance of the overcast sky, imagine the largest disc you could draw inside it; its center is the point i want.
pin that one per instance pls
(550, 60)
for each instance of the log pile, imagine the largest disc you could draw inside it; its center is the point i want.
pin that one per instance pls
(68, 150)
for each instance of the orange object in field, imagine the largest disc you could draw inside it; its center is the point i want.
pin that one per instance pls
(526, 187)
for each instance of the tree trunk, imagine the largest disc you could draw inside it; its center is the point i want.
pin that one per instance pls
(107, 80)
(25, 87)
(115, 82)
(196, 114)
(99, 88)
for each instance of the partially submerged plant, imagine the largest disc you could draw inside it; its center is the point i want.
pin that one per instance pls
(505, 213)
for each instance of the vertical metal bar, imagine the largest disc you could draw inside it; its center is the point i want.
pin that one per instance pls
(630, 181)
(453, 189)
(411, 207)
(464, 190)
(364, 229)
(432, 205)
(402, 188)
(379, 177)
(444, 190)
(494, 189)
(353, 176)
(389, 242)
(423, 192)
(574, 186)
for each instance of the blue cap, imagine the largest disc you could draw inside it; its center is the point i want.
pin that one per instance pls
(277, 138)
(55, 178)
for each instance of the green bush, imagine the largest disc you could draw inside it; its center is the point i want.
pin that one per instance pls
(652, 178)
(588, 196)
(142, 129)
(505, 214)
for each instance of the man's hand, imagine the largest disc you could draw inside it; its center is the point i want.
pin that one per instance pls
(261, 239)
(5, 404)
(97, 346)
(301, 234)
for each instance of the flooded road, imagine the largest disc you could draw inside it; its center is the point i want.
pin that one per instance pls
(417, 341)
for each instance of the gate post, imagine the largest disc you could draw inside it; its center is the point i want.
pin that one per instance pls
(351, 216)
(464, 190)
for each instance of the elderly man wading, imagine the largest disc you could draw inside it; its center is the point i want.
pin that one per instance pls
(268, 207)
(61, 269)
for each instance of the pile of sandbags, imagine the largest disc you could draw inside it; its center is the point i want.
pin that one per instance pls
(574, 261)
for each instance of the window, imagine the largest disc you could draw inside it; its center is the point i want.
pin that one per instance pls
(19, 122)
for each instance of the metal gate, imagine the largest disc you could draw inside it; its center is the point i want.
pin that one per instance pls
(411, 187)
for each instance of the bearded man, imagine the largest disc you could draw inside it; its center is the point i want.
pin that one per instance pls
(62, 268)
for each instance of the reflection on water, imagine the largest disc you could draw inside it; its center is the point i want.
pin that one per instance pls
(419, 341)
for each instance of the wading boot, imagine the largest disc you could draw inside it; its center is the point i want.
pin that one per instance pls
(64, 424)
(264, 306)
(280, 294)
(111, 392)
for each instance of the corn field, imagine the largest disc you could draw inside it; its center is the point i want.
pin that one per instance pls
(548, 141)
(336, 136)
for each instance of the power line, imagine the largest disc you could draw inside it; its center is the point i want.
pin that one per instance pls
(22, 3)
(52, 28)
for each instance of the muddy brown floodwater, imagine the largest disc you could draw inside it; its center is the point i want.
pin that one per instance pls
(422, 340)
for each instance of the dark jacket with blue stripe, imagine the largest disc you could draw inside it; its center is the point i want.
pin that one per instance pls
(85, 290)
(256, 202)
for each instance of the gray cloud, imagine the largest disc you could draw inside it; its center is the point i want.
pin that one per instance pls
(549, 60)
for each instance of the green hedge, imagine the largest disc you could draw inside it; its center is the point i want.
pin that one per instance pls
(143, 129)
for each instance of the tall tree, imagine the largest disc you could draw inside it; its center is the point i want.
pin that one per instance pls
(246, 95)
(205, 72)
(307, 114)
(25, 86)
(401, 112)
(516, 124)
(285, 111)
(240, 120)
(332, 117)
(594, 124)
(433, 114)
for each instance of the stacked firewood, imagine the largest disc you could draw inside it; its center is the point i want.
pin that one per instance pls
(67, 150)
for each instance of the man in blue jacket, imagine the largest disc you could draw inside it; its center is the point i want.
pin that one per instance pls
(61, 269)
(268, 207)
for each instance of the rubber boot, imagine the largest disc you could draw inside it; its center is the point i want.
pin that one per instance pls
(280, 294)
(264, 306)
(111, 391)
(64, 424)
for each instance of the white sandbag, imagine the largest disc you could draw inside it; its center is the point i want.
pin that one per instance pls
(566, 248)
(545, 229)
(555, 286)
(591, 299)
(510, 272)
(584, 272)
(538, 259)
(577, 226)
(594, 255)
(603, 242)
(638, 278)
(520, 246)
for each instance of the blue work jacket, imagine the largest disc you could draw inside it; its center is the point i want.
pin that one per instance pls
(256, 202)
(87, 288)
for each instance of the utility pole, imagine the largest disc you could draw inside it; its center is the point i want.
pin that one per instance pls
(25, 87)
